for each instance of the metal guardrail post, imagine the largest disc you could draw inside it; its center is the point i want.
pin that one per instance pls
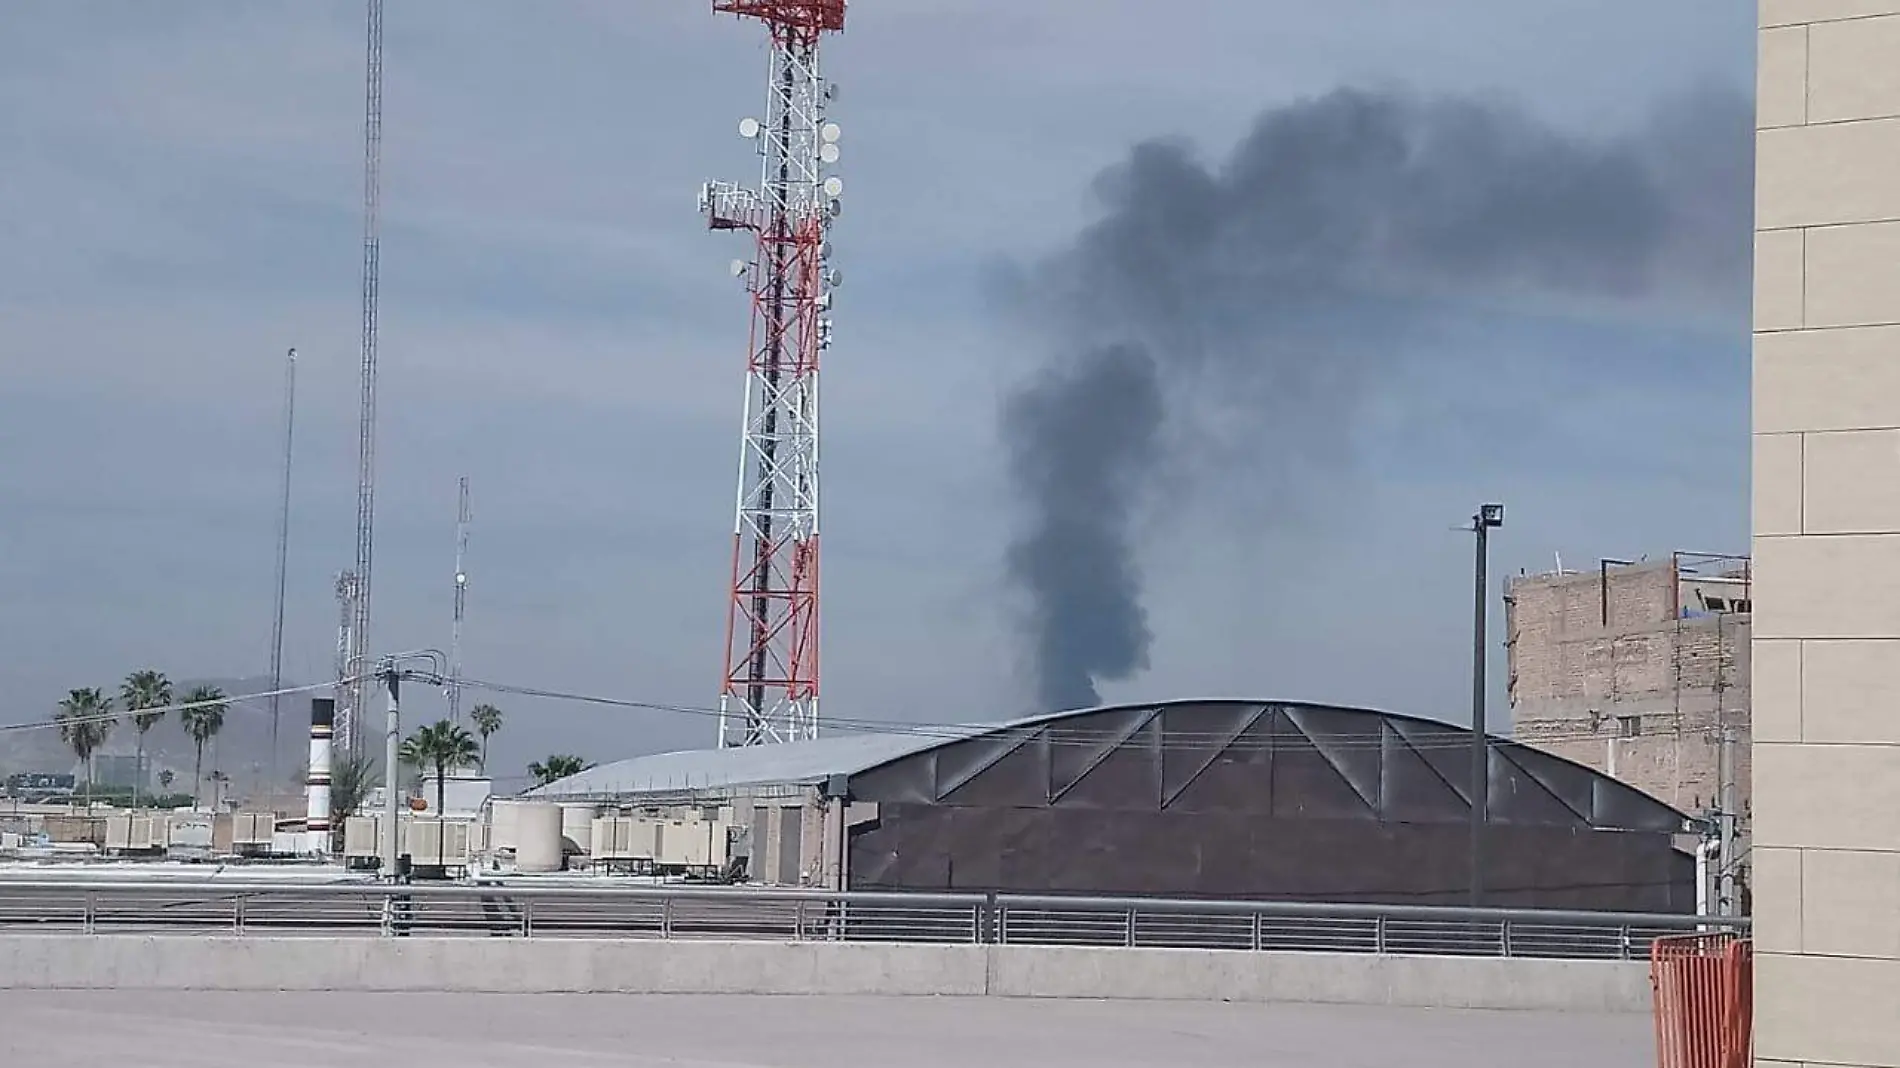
(90, 920)
(999, 913)
(1378, 935)
(237, 914)
(798, 922)
(527, 918)
(1504, 938)
(1626, 942)
(1256, 932)
(666, 918)
(1128, 936)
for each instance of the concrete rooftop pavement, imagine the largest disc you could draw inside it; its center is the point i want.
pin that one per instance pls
(185, 1029)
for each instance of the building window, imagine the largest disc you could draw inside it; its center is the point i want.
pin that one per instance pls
(1629, 726)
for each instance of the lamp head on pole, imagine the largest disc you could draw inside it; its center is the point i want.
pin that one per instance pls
(1490, 515)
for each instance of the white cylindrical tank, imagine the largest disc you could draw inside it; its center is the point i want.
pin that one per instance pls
(577, 824)
(538, 836)
(502, 824)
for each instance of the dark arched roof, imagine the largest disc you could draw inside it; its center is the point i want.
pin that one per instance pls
(1272, 758)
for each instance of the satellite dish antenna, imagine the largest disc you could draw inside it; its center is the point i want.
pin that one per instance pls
(835, 207)
(830, 132)
(748, 128)
(828, 153)
(831, 90)
(824, 250)
(738, 268)
(834, 277)
(834, 187)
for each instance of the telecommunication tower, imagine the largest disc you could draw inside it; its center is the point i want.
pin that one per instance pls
(770, 689)
(348, 725)
(462, 518)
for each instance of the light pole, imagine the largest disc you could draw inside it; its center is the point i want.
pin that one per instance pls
(1487, 518)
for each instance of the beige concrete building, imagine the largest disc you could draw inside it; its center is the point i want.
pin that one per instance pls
(1639, 669)
(1827, 534)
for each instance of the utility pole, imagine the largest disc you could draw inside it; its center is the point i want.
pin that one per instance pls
(462, 518)
(1486, 518)
(283, 562)
(392, 743)
(1727, 901)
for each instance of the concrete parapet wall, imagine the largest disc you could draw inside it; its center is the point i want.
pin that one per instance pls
(130, 962)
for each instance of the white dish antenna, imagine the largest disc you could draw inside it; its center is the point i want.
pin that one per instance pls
(748, 128)
(830, 132)
(824, 250)
(835, 207)
(834, 277)
(828, 153)
(834, 187)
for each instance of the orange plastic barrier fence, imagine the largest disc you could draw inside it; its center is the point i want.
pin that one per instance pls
(1704, 1001)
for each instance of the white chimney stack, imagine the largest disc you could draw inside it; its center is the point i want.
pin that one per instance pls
(317, 817)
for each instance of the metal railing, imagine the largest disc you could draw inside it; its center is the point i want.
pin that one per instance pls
(516, 911)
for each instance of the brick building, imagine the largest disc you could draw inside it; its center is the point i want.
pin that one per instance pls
(1635, 669)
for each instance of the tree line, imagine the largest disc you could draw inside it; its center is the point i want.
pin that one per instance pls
(88, 716)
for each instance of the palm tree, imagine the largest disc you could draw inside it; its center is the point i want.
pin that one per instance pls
(203, 717)
(351, 779)
(442, 745)
(85, 719)
(143, 690)
(557, 767)
(165, 780)
(487, 720)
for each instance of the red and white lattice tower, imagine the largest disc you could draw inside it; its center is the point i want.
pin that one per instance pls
(770, 690)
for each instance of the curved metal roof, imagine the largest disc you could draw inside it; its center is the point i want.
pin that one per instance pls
(1323, 760)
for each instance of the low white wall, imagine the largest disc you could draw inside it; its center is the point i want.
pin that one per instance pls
(129, 962)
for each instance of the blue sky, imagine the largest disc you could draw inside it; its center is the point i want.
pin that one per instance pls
(179, 199)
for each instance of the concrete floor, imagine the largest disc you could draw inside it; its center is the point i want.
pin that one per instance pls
(244, 1030)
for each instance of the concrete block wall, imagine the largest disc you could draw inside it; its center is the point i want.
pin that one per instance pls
(1827, 534)
(1574, 679)
(125, 962)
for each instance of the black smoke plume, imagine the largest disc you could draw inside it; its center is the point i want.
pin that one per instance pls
(1279, 283)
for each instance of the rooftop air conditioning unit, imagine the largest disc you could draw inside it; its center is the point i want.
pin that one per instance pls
(253, 831)
(622, 838)
(362, 838)
(433, 843)
(188, 832)
(130, 833)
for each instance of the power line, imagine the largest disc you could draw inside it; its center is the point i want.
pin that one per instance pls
(1053, 732)
(228, 701)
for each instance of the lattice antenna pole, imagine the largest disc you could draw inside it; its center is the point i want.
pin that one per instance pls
(770, 687)
(283, 567)
(350, 729)
(346, 689)
(462, 518)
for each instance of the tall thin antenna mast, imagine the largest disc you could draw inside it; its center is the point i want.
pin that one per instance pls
(462, 518)
(345, 645)
(283, 565)
(770, 691)
(349, 720)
